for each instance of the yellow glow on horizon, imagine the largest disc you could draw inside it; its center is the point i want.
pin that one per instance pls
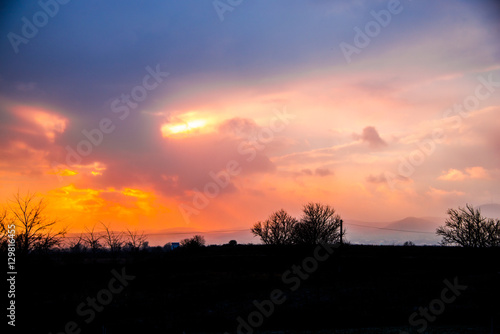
(135, 193)
(72, 189)
(68, 172)
(63, 172)
(123, 208)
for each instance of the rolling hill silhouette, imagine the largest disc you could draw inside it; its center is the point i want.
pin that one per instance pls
(424, 224)
(419, 230)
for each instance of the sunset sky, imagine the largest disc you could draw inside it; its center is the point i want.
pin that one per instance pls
(208, 116)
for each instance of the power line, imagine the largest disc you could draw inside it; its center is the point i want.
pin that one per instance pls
(390, 229)
(173, 233)
(242, 230)
(190, 232)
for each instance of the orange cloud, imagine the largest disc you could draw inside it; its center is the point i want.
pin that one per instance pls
(453, 175)
(470, 173)
(96, 169)
(124, 208)
(477, 172)
(63, 172)
(434, 192)
(135, 193)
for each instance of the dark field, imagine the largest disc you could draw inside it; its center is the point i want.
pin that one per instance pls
(357, 289)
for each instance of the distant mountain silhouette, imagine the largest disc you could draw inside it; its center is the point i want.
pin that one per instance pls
(358, 232)
(396, 232)
(427, 224)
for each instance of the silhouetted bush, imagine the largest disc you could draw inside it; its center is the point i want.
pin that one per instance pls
(278, 229)
(196, 241)
(319, 224)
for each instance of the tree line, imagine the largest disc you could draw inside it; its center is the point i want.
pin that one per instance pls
(35, 232)
(319, 223)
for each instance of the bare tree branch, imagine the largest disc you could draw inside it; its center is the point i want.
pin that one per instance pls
(113, 240)
(92, 239)
(34, 230)
(135, 239)
(467, 228)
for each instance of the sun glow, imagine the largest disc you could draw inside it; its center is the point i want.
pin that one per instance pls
(183, 128)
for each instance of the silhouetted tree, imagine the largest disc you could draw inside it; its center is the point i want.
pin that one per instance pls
(232, 243)
(76, 244)
(318, 224)
(467, 228)
(92, 239)
(196, 241)
(34, 230)
(3, 230)
(135, 240)
(278, 229)
(113, 240)
(3, 221)
(408, 243)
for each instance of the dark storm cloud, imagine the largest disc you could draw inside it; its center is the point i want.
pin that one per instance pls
(93, 51)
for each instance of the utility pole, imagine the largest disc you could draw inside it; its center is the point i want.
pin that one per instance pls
(341, 232)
